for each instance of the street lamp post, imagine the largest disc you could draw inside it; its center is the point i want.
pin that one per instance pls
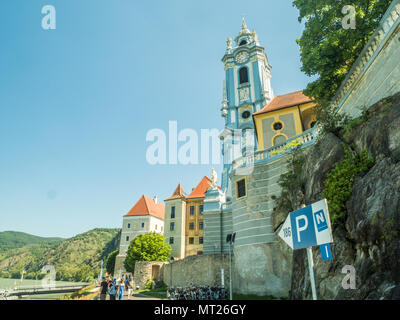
(230, 238)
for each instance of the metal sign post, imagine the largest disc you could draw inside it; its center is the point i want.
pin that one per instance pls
(311, 270)
(307, 227)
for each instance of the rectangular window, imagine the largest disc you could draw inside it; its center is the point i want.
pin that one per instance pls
(201, 209)
(201, 240)
(191, 240)
(129, 225)
(172, 226)
(127, 238)
(173, 212)
(201, 225)
(233, 116)
(191, 226)
(171, 240)
(191, 210)
(156, 227)
(241, 188)
(142, 224)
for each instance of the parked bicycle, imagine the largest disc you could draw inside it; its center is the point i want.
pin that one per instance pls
(197, 293)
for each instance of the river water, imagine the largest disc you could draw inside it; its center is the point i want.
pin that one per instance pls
(14, 283)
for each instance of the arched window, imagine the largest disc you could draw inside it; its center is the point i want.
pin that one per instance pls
(243, 75)
(279, 139)
(242, 43)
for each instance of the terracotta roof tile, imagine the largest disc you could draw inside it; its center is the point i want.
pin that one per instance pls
(201, 189)
(284, 101)
(147, 206)
(178, 193)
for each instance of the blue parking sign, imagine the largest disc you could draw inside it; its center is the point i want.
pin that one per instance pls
(303, 228)
(308, 226)
(326, 252)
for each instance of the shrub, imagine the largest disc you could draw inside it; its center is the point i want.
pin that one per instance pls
(149, 284)
(340, 180)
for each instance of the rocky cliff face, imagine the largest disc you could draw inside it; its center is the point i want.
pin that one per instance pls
(370, 237)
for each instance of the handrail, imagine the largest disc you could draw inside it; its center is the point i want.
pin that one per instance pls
(262, 156)
(382, 33)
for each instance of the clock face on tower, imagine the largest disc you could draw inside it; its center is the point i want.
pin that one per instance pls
(242, 57)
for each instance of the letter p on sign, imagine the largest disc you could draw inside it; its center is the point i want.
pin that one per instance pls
(304, 227)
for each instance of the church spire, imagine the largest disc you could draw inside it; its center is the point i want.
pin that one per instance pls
(244, 25)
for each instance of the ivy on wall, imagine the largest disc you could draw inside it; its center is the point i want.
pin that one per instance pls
(340, 180)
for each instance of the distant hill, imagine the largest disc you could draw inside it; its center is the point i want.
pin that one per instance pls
(14, 239)
(75, 259)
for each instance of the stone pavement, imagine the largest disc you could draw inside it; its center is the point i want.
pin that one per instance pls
(134, 296)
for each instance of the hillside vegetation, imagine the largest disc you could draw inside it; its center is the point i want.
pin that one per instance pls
(75, 259)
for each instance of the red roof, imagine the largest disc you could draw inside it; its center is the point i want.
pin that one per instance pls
(178, 193)
(201, 189)
(147, 206)
(285, 101)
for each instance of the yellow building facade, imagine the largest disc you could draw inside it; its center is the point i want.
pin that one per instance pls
(284, 117)
(184, 223)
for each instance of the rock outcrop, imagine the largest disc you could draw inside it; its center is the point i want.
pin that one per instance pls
(370, 239)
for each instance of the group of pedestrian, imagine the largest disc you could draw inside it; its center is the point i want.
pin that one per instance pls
(115, 288)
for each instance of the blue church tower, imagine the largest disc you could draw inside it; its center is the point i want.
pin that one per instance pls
(246, 89)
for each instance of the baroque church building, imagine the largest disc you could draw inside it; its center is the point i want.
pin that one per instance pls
(258, 126)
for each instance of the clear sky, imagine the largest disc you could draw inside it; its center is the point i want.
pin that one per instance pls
(77, 102)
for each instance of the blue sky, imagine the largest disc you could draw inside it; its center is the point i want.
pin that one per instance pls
(76, 102)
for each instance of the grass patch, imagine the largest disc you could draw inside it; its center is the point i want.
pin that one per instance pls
(160, 293)
(83, 294)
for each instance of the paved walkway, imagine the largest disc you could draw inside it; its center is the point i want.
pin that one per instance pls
(139, 296)
(134, 296)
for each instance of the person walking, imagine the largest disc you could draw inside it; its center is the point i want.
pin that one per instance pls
(121, 290)
(112, 290)
(104, 289)
(128, 287)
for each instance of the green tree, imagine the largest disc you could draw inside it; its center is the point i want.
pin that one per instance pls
(327, 49)
(147, 247)
(110, 263)
(85, 274)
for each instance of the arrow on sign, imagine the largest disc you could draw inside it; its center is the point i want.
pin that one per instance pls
(307, 227)
(286, 232)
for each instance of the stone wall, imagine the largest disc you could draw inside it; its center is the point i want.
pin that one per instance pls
(145, 270)
(201, 270)
(376, 73)
(262, 264)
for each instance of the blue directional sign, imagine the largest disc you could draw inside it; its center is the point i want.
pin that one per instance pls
(308, 226)
(326, 253)
(303, 232)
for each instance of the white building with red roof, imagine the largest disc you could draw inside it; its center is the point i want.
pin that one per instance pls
(147, 215)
